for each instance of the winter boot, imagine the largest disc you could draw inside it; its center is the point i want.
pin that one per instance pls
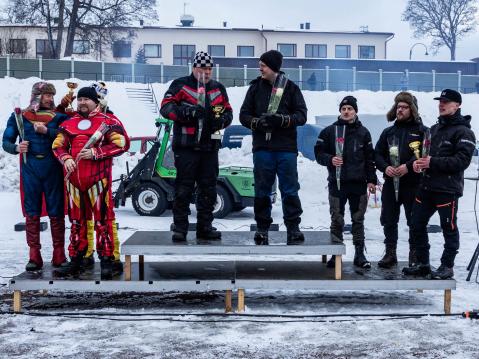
(106, 264)
(178, 237)
(294, 236)
(332, 262)
(72, 268)
(390, 259)
(261, 237)
(33, 240)
(89, 262)
(418, 270)
(412, 257)
(208, 234)
(359, 257)
(57, 228)
(442, 272)
(117, 267)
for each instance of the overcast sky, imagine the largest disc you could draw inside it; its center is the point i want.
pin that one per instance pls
(324, 15)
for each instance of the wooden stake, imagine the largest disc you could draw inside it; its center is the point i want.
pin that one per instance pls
(228, 301)
(324, 259)
(141, 265)
(337, 267)
(240, 308)
(127, 267)
(447, 301)
(17, 301)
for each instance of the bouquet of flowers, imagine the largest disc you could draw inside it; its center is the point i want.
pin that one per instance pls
(339, 153)
(394, 158)
(276, 95)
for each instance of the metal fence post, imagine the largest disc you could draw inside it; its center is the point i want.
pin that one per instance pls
(72, 67)
(189, 68)
(380, 79)
(300, 77)
(327, 78)
(245, 75)
(8, 65)
(354, 78)
(133, 72)
(217, 66)
(103, 70)
(433, 80)
(162, 73)
(459, 80)
(407, 79)
(40, 66)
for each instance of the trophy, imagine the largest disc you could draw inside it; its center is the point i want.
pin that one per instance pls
(218, 110)
(72, 86)
(415, 147)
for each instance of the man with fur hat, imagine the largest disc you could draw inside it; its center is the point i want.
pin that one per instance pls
(452, 147)
(41, 175)
(357, 174)
(404, 138)
(277, 154)
(199, 107)
(85, 145)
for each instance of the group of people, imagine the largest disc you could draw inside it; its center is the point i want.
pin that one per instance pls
(68, 154)
(65, 167)
(423, 168)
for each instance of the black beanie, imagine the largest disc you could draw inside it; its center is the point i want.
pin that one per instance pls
(88, 92)
(351, 101)
(273, 59)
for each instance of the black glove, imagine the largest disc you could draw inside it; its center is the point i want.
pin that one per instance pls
(277, 120)
(192, 113)
(261, 124)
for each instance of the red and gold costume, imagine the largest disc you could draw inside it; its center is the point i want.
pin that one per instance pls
(89, 185)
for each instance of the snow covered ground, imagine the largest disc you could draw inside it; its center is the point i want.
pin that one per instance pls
(148, 336)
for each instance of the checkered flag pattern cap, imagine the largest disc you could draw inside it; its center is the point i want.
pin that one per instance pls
(203, 59)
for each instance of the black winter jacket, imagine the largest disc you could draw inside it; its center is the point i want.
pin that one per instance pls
(452, 147)
(358, 153)
(184, 92)
(256, 103)
(402, 133)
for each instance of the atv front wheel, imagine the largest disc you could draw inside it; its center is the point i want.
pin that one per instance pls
(224, 203)
(149, 200)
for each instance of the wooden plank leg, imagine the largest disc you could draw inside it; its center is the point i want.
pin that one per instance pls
(228, 301)
(324, 258)
(240, 300)
(447, 301)
(141, 265)
(127, 268)
(17, 301)
(338, 261)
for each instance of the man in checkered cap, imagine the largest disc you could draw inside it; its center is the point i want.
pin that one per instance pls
(198, 106)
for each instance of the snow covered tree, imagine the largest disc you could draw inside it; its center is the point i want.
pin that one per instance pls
(445, 21)
(140, 56)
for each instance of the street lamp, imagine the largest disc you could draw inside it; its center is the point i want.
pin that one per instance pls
(412, 47)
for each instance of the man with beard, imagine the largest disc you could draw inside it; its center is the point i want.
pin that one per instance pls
(404, 138)
(357, 174)
(85, 146)
(275, 150)
(41, 175)
(452, 147)
(199, 107)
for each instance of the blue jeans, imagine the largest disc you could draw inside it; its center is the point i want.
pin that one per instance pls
(268, 165)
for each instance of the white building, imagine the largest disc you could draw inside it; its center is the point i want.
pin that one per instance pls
(176, 45)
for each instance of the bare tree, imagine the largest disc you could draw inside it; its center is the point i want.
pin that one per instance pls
(445, 21)
(82, 19)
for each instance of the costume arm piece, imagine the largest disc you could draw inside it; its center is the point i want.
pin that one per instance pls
(10, 136)
(116, 143)
(61, 146)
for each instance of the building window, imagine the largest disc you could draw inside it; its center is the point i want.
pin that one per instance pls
(288, 50)
(343, 51)
(152, 50)
(43, 48)
(367, 52)
(122, 48)
(314, 50)
(81, 47)
(17, 46)
(245, 51)
(183, 54)
(216, 50)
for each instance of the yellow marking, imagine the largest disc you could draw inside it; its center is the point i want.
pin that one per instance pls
(118, 139)
(59, 141)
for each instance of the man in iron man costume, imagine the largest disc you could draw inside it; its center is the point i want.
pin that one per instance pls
(85, 145)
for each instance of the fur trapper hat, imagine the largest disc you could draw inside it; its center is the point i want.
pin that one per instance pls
(408, 98)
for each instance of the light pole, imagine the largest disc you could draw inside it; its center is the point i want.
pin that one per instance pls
(412, 47)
